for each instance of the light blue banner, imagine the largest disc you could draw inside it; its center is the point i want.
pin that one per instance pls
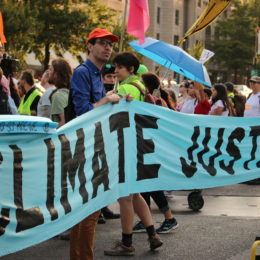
(13, 124)
(50, 182)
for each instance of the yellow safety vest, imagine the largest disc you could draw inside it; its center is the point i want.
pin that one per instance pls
(25, 107)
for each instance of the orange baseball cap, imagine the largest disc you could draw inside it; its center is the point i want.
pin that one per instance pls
(99, 33)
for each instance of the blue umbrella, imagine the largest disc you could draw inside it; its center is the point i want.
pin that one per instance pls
(173, 58)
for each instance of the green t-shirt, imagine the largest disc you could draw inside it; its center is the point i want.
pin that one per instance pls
(59, 101)
(126, 88)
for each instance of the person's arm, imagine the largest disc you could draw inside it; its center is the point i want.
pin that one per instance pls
(62, 120)
(12, 105)
(218, 111)
(199, 92)
(81, 91)
(113, 98)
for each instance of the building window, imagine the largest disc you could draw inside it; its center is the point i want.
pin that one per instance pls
(199, 3)
(177, 17)
(158, 15)
(158, 36)
(175, 39)
(207, 36)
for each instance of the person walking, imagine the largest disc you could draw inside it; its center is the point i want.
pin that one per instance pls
(108, 77)
(219, 101)
(87, 93)
(29, 102)
(60, 75)
(44, 105)
(191, 101)
(252, 108)
(183, 94)
(126, 66)
(153, 85)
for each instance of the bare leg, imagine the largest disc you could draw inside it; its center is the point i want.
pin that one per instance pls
(127, 214)
(168, 214)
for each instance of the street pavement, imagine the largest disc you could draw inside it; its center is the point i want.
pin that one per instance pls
(224, 229)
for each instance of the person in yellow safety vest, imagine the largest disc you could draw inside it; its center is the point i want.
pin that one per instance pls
(29, 102)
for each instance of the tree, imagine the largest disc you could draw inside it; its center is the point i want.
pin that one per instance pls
(61, 25)
(17, 27)
(127, 38)
(234, 48)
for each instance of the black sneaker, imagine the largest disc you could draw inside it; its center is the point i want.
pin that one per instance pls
(101, 219)
(65, 235)
(139, 227)
(167, 226)
(109, 214)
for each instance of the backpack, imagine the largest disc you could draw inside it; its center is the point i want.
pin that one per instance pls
(149, 98)
(4, 103)
(69, 110)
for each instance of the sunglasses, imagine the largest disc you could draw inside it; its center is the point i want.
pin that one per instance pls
(105, 43)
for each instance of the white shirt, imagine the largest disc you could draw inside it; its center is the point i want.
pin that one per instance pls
(189, 106)
(12, 106)
(44, 105)
(252, 108)
(217, 104)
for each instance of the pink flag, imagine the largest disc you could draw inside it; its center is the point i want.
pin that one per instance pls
(138, 19)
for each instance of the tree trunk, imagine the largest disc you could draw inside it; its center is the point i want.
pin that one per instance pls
(47, 57)
(235, 78)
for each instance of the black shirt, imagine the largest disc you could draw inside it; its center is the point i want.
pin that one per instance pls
(35, 101)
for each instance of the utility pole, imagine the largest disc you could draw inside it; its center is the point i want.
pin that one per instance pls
(123, 27)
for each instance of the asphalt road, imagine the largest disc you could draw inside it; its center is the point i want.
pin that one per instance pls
(224, 229)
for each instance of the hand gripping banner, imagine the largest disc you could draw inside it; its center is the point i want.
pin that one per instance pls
(49, 181)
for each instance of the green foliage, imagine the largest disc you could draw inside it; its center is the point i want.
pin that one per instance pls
(126, 39)
(235, 44)
(61, 25)
(17, 23)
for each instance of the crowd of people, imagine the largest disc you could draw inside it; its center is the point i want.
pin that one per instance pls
(92, 84)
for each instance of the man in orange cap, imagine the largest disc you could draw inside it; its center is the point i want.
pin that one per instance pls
(87, 92)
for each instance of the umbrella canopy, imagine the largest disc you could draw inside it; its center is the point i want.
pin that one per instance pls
(173, 58)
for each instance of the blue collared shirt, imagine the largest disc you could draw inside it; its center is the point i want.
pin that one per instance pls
(86, 87)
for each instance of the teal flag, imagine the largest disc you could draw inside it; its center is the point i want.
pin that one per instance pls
(51, 180)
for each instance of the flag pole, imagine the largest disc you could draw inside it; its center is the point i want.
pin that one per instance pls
(123, 27)
(122, 38)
